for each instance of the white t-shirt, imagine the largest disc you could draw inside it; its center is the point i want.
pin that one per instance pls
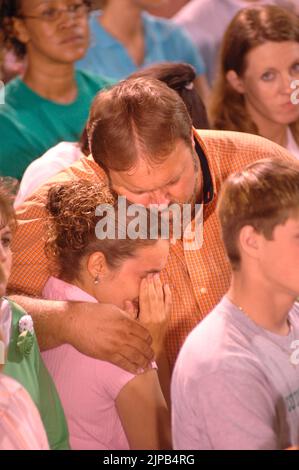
(207, 20)
(236, 385)
(40, 170)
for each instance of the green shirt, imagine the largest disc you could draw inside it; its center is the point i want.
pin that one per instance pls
(30, 124)
(31, 372)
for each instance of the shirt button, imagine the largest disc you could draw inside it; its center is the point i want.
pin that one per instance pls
(203, 290)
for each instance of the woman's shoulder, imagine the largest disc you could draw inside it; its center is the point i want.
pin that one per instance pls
(92, 80)
(162, 26)
(16, 93)
(23, 342)
(17, 311)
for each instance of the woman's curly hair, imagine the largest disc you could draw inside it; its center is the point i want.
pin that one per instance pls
(71, 234)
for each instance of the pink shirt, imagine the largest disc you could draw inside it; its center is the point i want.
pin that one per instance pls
(87, 387)
(20, 423)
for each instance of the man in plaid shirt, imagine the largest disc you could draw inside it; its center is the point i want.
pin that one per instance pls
(141, 136)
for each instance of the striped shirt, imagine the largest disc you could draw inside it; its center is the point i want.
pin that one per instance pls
(20, 424)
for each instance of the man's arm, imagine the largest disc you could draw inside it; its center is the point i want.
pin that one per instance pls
(101, 331)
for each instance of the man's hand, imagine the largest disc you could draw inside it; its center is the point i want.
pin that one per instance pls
(107, 333)
(98, 330)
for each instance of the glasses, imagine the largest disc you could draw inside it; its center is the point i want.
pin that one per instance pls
(52, 14)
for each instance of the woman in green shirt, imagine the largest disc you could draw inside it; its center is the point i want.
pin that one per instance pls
(51, 102)
(24, 362)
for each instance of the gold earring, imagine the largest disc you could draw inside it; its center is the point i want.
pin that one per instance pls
(96, 280)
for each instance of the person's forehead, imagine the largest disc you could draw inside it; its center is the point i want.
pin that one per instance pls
(37, 3)
(273, 54)
(145, 175)
(149, 257)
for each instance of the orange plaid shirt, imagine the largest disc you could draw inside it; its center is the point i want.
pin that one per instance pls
(198, 278)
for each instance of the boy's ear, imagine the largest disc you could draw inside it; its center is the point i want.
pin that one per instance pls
(97, 265)
(235, 81)
(249, 241)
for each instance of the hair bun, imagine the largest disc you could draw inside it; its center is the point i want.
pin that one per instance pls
(55, 197)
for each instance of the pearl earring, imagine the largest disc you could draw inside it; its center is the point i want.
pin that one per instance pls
(96, 280)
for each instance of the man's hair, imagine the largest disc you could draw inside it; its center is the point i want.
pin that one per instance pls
(137, 118)
(265, 194)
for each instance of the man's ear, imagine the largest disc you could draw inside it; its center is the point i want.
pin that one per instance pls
(235, 81)
(97, 265)
(20, 30)
(192, 138)
(249, 241)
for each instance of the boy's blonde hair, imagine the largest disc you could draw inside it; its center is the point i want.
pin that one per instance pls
(263, 195)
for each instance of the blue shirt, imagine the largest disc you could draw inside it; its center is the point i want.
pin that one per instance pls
(164, 41)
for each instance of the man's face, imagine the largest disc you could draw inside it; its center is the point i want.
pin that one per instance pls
(279, 258)
(175, 180)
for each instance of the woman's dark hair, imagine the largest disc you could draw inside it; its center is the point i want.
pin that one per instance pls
(180, 77)
(10, 9)
(84, 143)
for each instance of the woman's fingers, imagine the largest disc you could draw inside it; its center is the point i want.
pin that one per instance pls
(167, 299)
(144, 305)
(159, 288)
(153, 298)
